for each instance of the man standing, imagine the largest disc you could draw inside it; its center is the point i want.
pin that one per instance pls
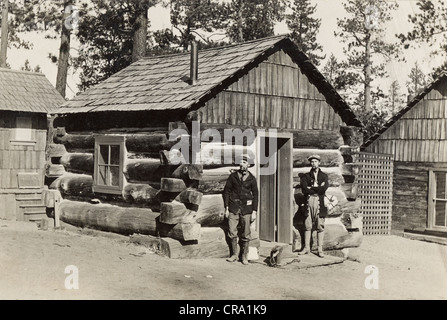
(314, 185)
(240, 197)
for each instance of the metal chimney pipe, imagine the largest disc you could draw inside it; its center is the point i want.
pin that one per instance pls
(194, 66)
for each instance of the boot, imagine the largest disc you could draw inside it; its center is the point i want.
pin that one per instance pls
(320, 237)
(244, 249)
(306, 248)
(233, 256)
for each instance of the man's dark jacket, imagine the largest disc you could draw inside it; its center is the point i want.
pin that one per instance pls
(308, 180)
(241, 194)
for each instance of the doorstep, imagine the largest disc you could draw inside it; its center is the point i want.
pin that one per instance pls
(426, 235)
(291, 260)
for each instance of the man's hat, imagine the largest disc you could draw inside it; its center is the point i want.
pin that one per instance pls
(245, 157)
(314, 156)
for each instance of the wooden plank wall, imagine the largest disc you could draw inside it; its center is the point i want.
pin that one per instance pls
(420, 135)
(274, 94)
(410, 194)
(16, 158)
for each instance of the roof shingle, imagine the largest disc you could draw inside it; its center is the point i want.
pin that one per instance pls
(162, 82)
(27, 91)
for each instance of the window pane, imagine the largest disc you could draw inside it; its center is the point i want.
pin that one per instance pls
(114, 154)
(102, 175)
(440, 213)
(440, 185)
(114, 176)
(103, 154)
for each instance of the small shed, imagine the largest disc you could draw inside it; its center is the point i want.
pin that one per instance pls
(25, 100)
(417, 138)
(115, 141)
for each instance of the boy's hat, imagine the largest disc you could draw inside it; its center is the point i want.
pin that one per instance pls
(314, 156)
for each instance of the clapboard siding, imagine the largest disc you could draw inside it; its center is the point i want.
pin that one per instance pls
(420, 134)
(17, 158)
(274, 94)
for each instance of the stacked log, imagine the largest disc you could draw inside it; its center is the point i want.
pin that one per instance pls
(181, 203)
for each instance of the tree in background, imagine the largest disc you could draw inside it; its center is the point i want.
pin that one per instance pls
(335, 72)
(395, 99)
(304, 29)
(52, 18)
(27, 67)
(197, 20)
(9, 35)
(417, 80)
(254, 19)
(362, 32)
(430, 27)
(112, 34)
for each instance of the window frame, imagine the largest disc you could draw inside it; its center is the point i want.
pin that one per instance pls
(24, 126)
(432, 200)
(102, 140)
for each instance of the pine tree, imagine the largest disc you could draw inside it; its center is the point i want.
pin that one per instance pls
(429, 27)
(254, 19)
(304, 29)
(417, 80)
(362, 32)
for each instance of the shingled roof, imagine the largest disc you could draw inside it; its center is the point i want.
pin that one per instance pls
(411, 104)
(27, 91)
(161, 82)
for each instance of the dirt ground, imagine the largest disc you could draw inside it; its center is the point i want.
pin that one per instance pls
(33, 266)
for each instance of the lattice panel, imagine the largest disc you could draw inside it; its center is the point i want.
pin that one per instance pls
(375, 183)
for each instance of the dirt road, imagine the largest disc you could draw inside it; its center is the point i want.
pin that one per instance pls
(33, 265)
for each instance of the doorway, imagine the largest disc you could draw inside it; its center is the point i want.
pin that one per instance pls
(275, 183)
(437, 201)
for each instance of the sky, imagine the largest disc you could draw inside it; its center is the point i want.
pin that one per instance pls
(327, 10)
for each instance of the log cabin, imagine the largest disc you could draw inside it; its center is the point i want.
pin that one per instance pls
(416, 137)
(25, 100)
(115, 148)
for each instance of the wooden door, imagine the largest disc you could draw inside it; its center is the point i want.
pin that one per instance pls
(437, 203)
(275, 194)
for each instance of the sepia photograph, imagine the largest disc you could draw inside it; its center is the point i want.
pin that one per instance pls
(218, 156)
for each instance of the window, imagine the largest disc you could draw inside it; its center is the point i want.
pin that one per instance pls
(23, 131)
(437, 202)
(109, 160)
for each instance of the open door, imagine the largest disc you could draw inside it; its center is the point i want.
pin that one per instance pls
(276, 189)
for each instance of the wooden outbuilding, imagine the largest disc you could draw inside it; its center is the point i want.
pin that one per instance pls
(25, 100)
(416, 137)
(116, 146)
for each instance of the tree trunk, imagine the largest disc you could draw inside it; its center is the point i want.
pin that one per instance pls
(329, 158)
(74, 184)
(210, 213)
(64, 53)
(368, 74)
(172, 212)
(140, 193)
(140, 34)
(4, 43)
(183, 232)
(172, 185)
(213, 180)
(78, 162)
(105, 217)
(240, 21)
